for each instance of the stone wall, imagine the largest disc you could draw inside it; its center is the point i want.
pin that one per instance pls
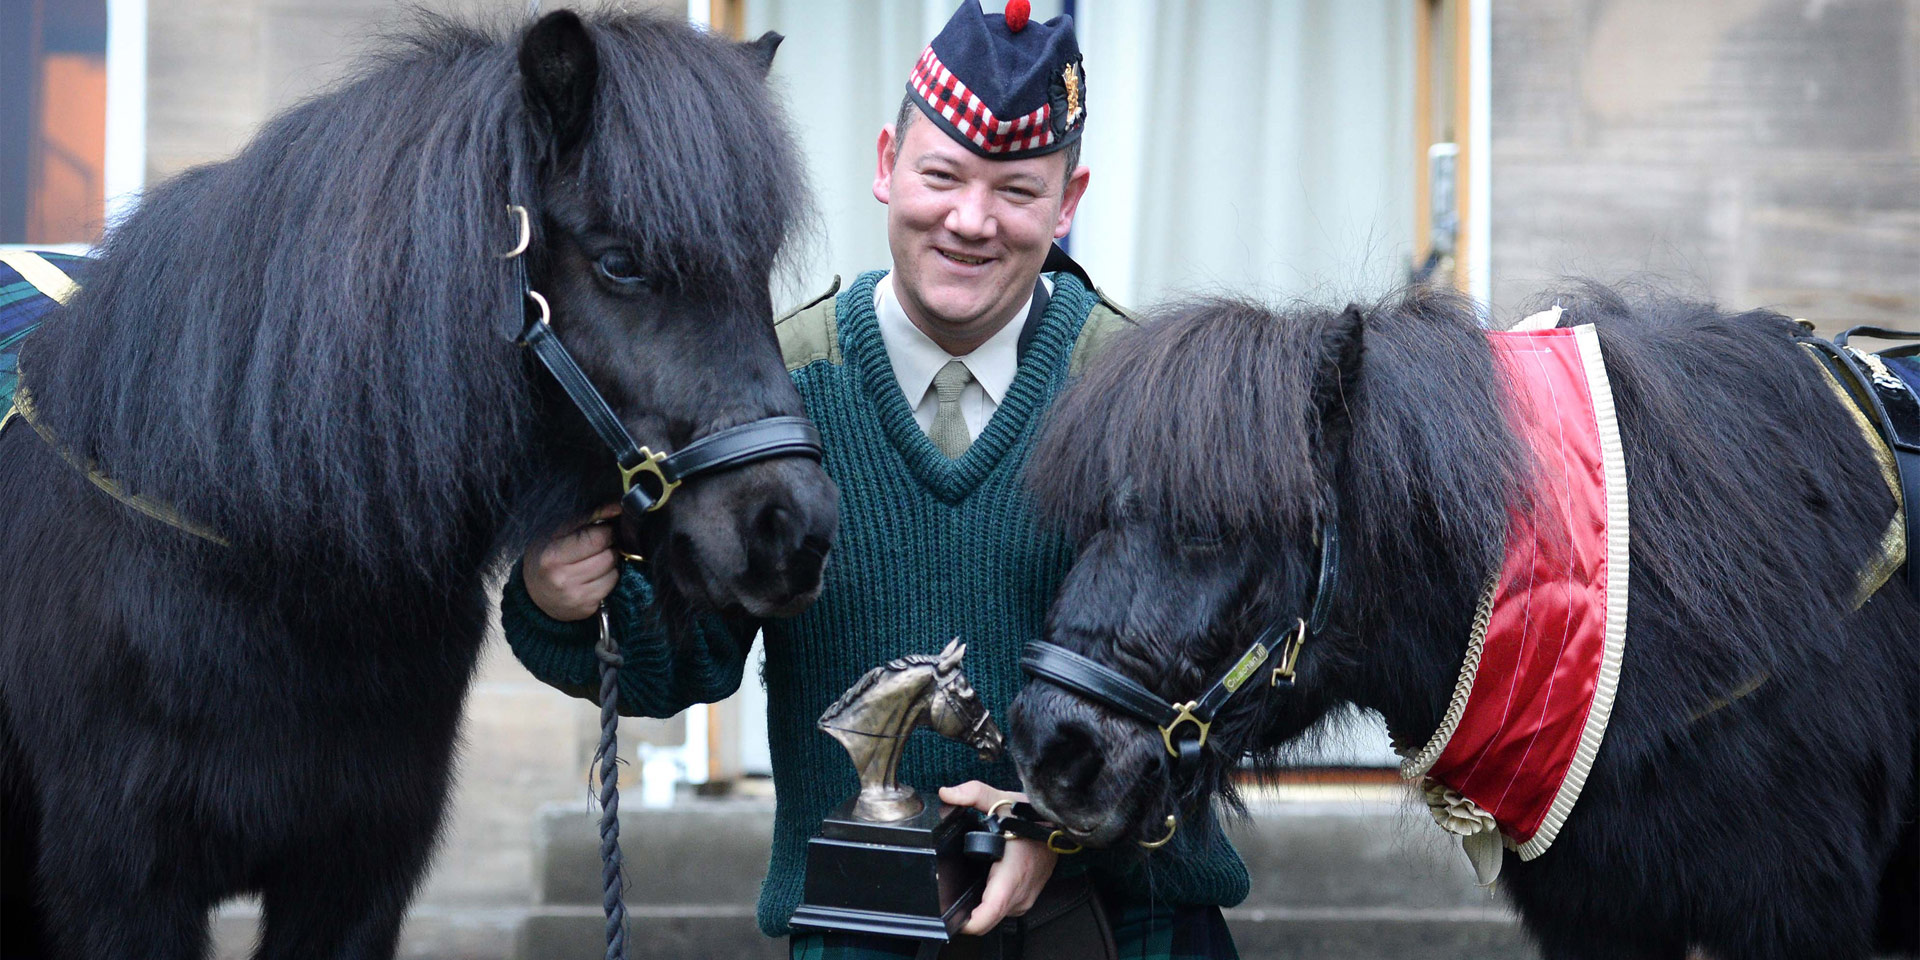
(217, 69)
(1761, 152)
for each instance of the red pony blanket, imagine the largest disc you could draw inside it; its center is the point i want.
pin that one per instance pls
(1530, 708)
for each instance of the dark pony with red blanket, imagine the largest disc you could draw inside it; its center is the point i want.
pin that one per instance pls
(309, 351)
(1754, 796)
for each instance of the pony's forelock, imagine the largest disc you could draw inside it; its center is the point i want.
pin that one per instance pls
(1209, 417)
(1179, 418)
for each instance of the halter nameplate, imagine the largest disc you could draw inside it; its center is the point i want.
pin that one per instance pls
(1249, 662)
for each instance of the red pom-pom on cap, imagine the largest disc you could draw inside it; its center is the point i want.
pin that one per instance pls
(1018, 13)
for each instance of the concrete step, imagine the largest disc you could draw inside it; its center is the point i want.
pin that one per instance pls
(1380, 933)
(728, 933)
(1352, 876)
(432, 932)
(701, 852)
(1364, 853)
(654, 932)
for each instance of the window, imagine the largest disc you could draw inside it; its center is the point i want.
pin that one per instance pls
(53, 133)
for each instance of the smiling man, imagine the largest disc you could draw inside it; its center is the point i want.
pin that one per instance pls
(928, 383)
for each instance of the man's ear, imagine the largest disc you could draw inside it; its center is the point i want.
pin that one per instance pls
(1337, 378)
(886, 152)
(760, 52)
(1070, 200)
(559, 71)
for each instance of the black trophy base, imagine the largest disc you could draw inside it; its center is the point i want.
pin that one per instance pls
(906, 878)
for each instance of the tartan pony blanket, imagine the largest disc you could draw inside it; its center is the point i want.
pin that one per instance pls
(31, 286)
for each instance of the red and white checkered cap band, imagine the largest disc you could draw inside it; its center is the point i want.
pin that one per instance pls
(952, 100)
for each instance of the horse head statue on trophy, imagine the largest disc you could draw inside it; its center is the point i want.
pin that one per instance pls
(874, 719)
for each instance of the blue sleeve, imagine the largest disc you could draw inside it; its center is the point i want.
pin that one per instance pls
(658, 677)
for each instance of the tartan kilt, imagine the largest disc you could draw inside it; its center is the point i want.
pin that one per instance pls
(1140, 931)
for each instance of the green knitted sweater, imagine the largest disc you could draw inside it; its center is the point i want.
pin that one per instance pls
(929, 548)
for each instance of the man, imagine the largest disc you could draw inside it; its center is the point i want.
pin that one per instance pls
(928, 383)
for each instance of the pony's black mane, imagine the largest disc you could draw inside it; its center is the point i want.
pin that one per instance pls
(308, 346)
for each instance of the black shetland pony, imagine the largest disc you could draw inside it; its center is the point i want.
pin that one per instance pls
(1193, 464)
(309, 350)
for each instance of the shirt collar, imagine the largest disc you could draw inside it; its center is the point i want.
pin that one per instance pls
(916, 358)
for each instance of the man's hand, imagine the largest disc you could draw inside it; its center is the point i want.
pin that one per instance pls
(1015, 880)
(569, 575)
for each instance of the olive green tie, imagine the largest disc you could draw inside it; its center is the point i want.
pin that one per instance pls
(949, 429)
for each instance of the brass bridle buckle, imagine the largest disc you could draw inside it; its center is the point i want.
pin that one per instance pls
(649, 465)
(1289, 652)
(1185, 715)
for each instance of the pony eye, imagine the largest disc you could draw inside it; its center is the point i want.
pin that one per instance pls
(619, 267)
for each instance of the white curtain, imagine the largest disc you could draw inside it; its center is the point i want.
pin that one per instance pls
(1248, 147)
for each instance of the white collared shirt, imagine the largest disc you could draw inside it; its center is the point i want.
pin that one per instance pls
(916, 358)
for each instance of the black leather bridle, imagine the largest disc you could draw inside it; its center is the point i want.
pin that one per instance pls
(648, 477)
(1185, 726)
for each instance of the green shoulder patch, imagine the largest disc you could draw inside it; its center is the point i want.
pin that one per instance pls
(808, 333)
(1106, 320)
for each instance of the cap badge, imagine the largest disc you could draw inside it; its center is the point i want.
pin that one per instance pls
(1071, 78)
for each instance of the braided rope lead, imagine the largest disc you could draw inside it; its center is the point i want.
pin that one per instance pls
(608, 652)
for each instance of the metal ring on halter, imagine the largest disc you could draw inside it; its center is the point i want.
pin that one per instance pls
(1173, 824)
(1067, 850)
(526, 232)
(992, 811)
(650, 465)
(546, 312)
(1185, 714)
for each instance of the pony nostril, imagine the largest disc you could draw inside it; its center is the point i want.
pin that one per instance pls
(779, 525)
(1075, 761)
(807, 560)
(774, 523)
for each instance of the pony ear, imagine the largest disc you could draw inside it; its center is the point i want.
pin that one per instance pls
(559, 71)
(761, 51)
(1338, 375)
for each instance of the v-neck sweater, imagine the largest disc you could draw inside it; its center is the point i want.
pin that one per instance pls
(929, 548)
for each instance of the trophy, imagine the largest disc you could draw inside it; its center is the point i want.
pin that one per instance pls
(887, 861)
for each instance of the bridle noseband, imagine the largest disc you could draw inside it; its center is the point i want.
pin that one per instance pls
(648, 477)
(1110, 688)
